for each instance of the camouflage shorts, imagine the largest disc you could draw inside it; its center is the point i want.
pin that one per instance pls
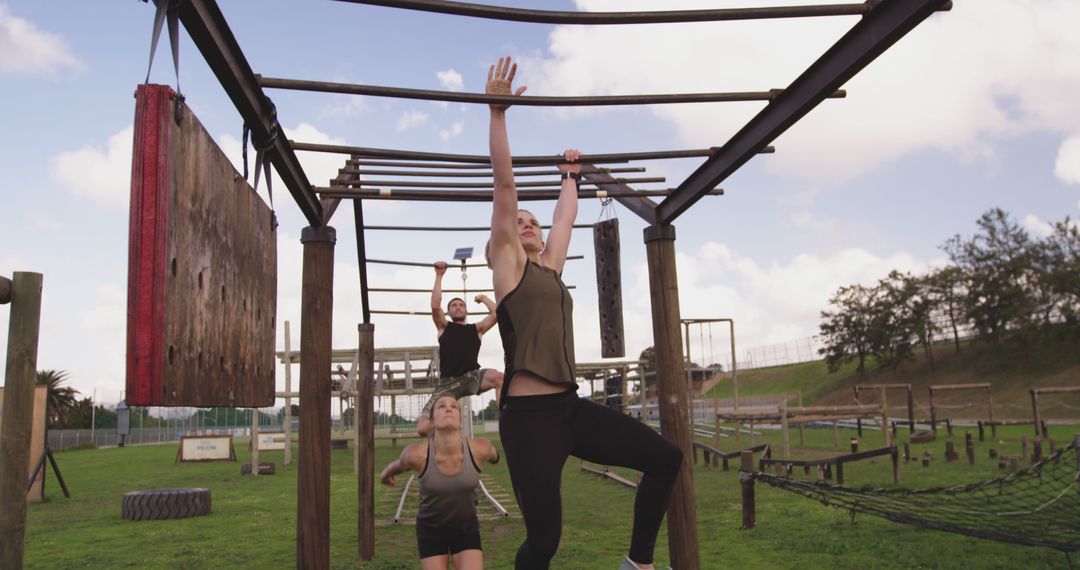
(468, 384)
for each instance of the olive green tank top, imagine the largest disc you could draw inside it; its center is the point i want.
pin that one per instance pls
(536, 322)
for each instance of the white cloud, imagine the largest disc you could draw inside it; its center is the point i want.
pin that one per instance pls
(455, 130)
(451, 80)
(103, 175)
(1067, 166)
(1036, 226)
(411, 119)
(770, 304)
(345, 106)
(26, 50)
(950, 85)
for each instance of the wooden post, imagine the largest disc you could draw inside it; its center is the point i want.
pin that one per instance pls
(254, 442)
(1035, 409)
(907, 452)
(895, 466)
(839, 473)
(910, 409)
(948, 426)
(990, 404)
(365, 427)
(672, 393)
(1014, 463)
(950, 453)
(933, 412)
(287, 428)
(746, 481)
(1023, 447)
(858, 426)
(20, 373)
(969, 447)
(885, 418)
(784, 422)
(801, 440)
(835, 435)
(316, 324)
(393, 419)
(1036, 450)
(982, 431)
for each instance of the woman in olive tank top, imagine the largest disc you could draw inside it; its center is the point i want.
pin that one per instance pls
(449, 467)
(542, 421)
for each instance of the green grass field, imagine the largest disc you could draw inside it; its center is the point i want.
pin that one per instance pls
(253, 520)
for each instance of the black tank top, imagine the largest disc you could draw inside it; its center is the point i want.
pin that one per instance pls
(459, 347)
(536, 322)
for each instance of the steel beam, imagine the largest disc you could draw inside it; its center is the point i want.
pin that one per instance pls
(870, 37)
(640, 205)
(617, 18)
(484, 159)
(211, 34)
(518, 101)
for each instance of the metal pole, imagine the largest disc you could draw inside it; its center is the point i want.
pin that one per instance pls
(24, 294)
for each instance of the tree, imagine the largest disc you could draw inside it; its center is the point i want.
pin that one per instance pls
(845, 330)
(648, 356)
(60, 399)
(997, 262)
(1057, 262)
(944, 290)
(895, 316)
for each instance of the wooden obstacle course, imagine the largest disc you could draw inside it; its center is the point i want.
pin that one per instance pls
(606, 472)
(1040, 424)
(826, 465)
(957, 387)
(711, 455)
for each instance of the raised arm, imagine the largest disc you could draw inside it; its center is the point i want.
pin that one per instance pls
(437, 313)
(507, 256)
(562, 223)
(406, 462)
(487, 322)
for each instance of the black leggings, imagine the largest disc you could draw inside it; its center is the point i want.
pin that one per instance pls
(540, 432)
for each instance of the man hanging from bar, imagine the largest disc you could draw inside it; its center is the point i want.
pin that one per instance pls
(459, 348)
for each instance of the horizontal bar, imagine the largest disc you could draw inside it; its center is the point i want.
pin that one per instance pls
(476, 174)
(519, 100)
(480, 196)
(452, 229)
(462, 291)
(432, 264)
(408, 164)
(484, 184)
(985, 386)
(1057, 390)
(617, 18)
(517, 160)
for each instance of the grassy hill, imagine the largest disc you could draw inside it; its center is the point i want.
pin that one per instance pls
(1011, 368)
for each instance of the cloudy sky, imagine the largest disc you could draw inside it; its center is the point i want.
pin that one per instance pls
(974, 109)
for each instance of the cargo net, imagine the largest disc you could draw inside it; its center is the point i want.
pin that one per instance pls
(1036, 506)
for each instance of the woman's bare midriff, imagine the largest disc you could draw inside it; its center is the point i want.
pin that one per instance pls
(526, 383)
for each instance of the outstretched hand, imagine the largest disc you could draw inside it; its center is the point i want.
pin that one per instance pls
(571, 156)
(500, 82)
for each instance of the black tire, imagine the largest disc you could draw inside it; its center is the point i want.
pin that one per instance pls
(162, 504)
(265, 468)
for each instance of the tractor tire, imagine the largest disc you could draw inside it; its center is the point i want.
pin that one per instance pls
(162, 504)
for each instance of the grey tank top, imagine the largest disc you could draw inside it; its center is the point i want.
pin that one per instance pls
(449, 501)
(536, 322)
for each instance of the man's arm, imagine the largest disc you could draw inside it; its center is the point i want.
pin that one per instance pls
(489, 321)
(437, 313)
(566, 208)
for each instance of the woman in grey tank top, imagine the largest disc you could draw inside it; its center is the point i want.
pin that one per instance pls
(449, 468)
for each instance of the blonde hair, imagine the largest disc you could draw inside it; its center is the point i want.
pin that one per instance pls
(487, 246)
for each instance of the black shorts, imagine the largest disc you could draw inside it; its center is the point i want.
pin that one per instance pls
(439, 542)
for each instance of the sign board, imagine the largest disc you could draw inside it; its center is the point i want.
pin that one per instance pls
(37, 439)
(206, 448)
(272, 441)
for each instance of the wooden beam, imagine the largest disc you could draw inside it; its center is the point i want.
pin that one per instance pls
(20, 374)
(365, 427)
(316, 324)
(672, 393)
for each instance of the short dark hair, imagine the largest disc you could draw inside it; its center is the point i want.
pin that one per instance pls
(456, 299)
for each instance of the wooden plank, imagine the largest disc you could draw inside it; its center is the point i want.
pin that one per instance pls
(202, 289)
(20, 373)
(313, 477)
(365, 428)
(609, 288)
(942, 387)
(672, 393)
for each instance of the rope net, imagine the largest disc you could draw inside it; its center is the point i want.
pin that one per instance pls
(1036, 506)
